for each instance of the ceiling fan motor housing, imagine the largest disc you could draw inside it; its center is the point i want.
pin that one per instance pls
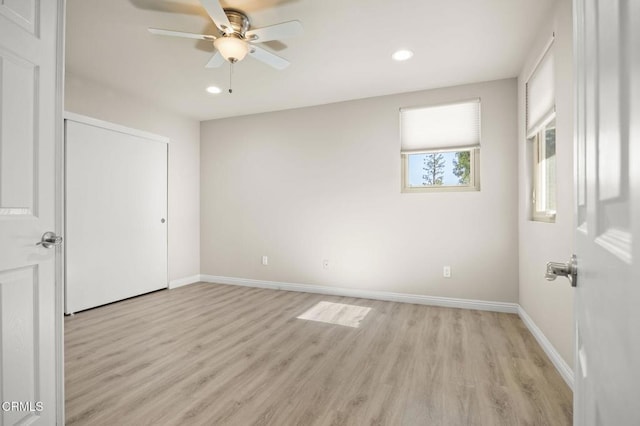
(239, 21)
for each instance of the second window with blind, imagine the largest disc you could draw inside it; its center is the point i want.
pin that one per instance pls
(440, 147)
(541, 137)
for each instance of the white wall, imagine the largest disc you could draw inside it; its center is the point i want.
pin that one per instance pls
(324, 183)
(94, 100)
(549, 304)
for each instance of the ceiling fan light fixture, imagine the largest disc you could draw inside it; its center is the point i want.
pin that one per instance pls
(214, 90)
(231, 48)
(402, 55)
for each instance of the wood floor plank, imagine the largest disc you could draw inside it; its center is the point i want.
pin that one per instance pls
(209, 354)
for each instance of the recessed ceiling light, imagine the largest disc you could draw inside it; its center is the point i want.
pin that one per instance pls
(402, 55)
(214, 90)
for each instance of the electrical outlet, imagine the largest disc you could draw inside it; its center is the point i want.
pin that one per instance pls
(446, 272)
(265, 260)
(325, 264)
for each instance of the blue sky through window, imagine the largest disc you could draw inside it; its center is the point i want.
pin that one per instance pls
(416, 162)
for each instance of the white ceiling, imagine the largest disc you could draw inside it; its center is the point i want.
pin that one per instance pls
(344, 53)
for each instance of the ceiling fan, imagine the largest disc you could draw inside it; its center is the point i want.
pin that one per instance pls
(236, 39)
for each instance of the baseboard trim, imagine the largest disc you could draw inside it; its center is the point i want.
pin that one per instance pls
(184, 281)
(563, 368)
(367, 294)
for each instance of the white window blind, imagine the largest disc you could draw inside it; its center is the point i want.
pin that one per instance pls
(541, 99)
(440, 127)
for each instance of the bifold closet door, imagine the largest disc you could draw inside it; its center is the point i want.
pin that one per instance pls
(116, 211)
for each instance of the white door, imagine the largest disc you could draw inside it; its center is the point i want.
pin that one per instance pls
(607, 372)
(30, 123)
(116, 213)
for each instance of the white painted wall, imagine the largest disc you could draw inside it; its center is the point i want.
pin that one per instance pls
(549, 304)
(324, 183)
(94, 100)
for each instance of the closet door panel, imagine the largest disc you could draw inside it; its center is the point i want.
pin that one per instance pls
(116, 227)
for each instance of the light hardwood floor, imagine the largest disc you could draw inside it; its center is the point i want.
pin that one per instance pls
(209, 354)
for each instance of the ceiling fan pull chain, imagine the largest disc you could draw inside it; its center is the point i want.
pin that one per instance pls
(230, 76)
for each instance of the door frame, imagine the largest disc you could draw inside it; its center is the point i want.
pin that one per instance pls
(578, 112)
(59, 213)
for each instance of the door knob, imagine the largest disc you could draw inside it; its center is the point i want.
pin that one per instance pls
(50, 239)
(569, 270)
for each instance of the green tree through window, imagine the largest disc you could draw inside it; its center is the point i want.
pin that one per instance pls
(462, 166)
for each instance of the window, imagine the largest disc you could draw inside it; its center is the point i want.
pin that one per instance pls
(544, 173)
(441, 147)
(541, 136)
(444, 169)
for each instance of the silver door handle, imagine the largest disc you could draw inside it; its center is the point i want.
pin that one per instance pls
(569, 270)
(50, 239)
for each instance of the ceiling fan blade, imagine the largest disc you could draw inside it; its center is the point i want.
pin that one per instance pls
(171, 33)
(275, 32)
(268, 58)
(216, 12)
(215, 61)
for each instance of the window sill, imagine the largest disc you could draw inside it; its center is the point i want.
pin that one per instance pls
(410, 190)
(544, 218)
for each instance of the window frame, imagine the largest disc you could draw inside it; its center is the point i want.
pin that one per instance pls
(474, 173)
(540, 96)
(538, 175)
